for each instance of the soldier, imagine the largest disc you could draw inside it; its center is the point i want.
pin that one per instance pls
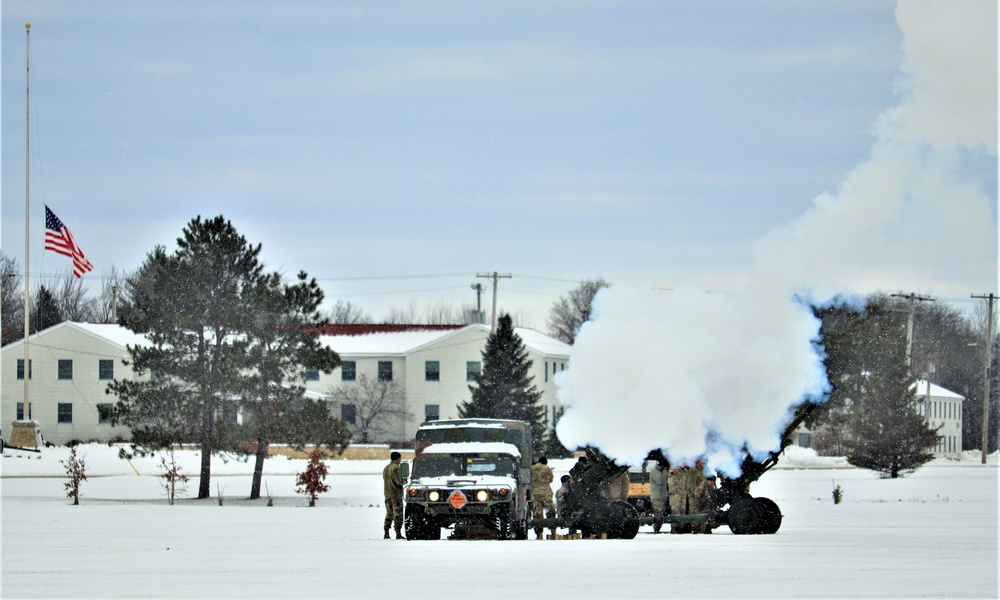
(541, 493)
(564, 499)
(681, 496)
(659, 492)
(706, 501)
(393, 484)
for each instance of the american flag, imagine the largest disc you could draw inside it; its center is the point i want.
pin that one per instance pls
(59, 240)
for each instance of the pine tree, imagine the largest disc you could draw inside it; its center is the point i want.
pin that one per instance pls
(889, 435)
(283, 343)
(194, 307)
(504, 389)
(45, 313)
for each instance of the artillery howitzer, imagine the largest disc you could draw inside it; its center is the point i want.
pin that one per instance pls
(588, 511)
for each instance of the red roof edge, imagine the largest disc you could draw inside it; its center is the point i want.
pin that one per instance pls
(370, 328)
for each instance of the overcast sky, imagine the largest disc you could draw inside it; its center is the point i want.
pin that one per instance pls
(394, 150)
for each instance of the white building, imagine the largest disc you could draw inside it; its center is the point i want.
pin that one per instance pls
(434, 366)
(71, 365)
(942, 408)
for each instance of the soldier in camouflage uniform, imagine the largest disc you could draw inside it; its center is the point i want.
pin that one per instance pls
(659, 492)
(393, 484)
(706, 498)
(683, 482)
(541, 493)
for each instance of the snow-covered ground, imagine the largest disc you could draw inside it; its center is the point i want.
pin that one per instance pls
(932, 534)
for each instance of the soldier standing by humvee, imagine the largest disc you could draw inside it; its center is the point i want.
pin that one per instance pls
(659, 492)
(393, 484)
(541, 493)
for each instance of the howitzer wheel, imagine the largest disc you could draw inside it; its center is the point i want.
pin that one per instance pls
(753, 516)
(619, 520)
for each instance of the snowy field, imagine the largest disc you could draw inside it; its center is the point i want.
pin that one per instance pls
(933, 534)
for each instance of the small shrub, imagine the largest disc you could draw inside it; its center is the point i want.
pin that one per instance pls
(310, 481)
(76, 469)
(174, 479)
(838, 495)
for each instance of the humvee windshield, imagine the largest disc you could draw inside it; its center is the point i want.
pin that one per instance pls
(461, 465)
(470, 434)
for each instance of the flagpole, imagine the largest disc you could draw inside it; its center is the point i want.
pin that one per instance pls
(27, 218)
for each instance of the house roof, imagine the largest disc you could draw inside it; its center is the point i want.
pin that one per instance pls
(397, 340)
(404, 342)
(936, 390)
(108, 332)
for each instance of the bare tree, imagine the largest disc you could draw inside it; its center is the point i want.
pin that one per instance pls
(12, 297)
(437, 313)
(70, 296)
(112, 286)
(349, 313)
(573, 310)
(379, 407)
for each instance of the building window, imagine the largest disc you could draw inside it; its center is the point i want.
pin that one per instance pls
(20, 368)
(65, 412)
(104, 413)
(65, 370)
(385, 370)
(432, 370)
(312, 374)
(472, 370)
(105, 369)
(349, 413)
(432, 412)
(348, 370)
(546, 371)
(20, 411)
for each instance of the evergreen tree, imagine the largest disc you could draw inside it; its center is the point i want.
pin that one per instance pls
(890, 436)
(504, 389)
(44, 311)
(283, 343)
(194, 308)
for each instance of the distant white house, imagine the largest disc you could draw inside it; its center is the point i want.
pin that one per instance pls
(72, 363)
(70, 366)
(434, 366)
(942, 408)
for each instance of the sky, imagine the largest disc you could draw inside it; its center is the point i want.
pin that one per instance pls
(395, 151)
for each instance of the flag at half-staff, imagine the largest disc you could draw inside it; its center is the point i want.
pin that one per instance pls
(59, 240)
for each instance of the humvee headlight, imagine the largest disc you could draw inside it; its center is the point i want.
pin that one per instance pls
(416, 493)
(434, 496)
(482, 495)
(500, 493)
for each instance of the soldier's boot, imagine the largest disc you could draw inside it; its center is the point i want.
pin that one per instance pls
(399, 534)
(657, 523)
(386, 536)
(538, 534)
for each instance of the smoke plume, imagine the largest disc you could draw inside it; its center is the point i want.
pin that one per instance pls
(701, 375)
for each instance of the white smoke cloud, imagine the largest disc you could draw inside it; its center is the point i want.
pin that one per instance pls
(699, 375)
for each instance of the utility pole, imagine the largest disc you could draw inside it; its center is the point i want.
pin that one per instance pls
(478, 316)
(909, 322)
(989, 361)
(495, 277)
